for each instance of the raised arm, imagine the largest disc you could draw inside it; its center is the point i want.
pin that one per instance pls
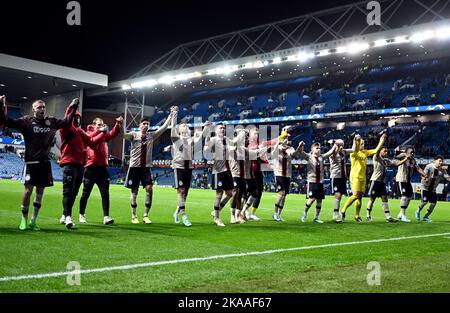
(353, 149)
(198, 136)
(397, 163)
(127, 135)
(301, 151)
(372, 152)
(239, 139)
(116, 129)
(326, 155)
(92, 139)
(166, 124)
(70, 114)
(9, 122)
(174, 135)
(209, 144)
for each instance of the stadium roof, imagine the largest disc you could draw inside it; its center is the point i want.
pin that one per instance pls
(24, 79)
(314, 40)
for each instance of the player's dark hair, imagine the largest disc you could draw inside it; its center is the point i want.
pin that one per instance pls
(439, 157)
(144, 120)
(382, 148)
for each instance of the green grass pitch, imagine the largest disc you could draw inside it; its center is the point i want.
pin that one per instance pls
(412, 265)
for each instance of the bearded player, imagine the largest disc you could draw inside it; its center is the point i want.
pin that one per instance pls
(39, 132)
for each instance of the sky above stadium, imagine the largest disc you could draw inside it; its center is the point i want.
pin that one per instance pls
(119, 39)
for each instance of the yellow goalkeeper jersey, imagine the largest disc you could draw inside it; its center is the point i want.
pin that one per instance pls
(358, 161)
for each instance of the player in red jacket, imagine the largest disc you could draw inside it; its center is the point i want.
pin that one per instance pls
(95, 169)
(74, 142)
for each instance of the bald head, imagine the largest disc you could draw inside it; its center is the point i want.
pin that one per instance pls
(38, 108)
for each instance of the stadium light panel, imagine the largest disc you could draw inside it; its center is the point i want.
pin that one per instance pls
(303, 57)
(341, 49)
(324, 52)
(184, 77)
(422, 36)
(276, 61)
(227, 70)
(292, 58)
(401, 39)
(166, 80)
(381, 43)
(443, 33)
(214, 71)
(357, 47)
(258, 64)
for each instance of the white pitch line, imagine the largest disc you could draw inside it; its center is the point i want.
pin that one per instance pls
(209, 258)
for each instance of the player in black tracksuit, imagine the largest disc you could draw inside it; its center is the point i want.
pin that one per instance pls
(39, 132)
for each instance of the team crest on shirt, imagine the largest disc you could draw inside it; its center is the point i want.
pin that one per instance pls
(28, 177)
(47, 122)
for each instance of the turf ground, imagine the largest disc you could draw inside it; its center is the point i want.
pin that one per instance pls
(420, 264)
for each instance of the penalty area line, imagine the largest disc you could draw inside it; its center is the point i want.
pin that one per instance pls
(210, 258)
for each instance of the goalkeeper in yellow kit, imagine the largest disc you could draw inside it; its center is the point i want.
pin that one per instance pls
(358, 160)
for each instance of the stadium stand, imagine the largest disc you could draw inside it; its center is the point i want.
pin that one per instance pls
(11, 166)
(419, 83)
